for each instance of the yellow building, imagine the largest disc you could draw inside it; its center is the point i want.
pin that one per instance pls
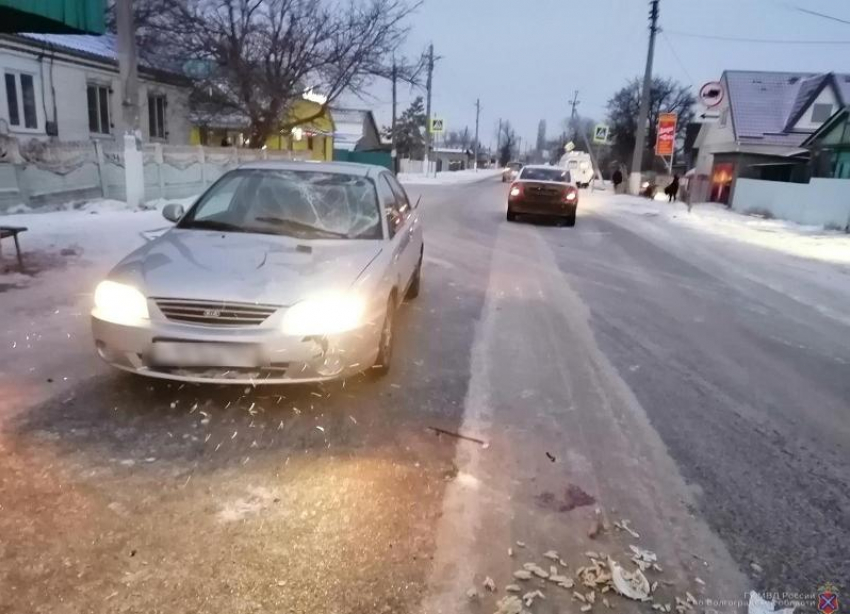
(310, 141)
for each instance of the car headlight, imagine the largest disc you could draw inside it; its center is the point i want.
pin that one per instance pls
(325, 315)
(120, 303)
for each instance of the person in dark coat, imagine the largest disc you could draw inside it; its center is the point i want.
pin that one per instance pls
(672, 190)
(617, 179)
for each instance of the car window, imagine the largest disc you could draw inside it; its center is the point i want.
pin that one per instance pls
(220, 198)
(306, 204)
(544, 174)
(400, 196)
(388, 200)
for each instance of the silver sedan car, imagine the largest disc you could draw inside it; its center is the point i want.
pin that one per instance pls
(281, 272)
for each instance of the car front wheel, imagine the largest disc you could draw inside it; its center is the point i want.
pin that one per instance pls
(511, 216)
(385, 343)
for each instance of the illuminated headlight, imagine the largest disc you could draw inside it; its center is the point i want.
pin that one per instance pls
(326, 315)
(644, 185)
(119, 303)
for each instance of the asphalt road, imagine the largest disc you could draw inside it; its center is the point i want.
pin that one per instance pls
(608, 367)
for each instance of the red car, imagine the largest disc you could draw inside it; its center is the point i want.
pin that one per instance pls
(543, 191)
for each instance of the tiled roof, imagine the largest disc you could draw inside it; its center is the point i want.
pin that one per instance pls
(763, 103)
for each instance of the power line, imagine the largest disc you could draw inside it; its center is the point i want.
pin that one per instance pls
(766, 41)
(676, 55)
(816, 14)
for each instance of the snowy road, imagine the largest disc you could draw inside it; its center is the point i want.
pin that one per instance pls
(688, 373)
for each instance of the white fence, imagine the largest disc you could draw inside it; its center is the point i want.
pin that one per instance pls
(41, 174)
(822, 202)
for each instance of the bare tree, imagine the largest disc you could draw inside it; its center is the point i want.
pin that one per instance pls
(508, 141)
(666, 95)
(256, 57)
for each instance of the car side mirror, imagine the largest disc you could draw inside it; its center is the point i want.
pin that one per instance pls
(173, 212)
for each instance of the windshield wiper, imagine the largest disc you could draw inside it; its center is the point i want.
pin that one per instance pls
(300, 226)
(213, 225)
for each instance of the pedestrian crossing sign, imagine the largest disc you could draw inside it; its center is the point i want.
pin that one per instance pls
(437, 125)
(600, 133)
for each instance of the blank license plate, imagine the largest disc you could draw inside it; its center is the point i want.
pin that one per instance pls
(176, 354)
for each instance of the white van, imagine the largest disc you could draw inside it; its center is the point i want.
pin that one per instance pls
(580, 166)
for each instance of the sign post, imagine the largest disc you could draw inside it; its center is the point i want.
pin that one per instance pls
(665, 141)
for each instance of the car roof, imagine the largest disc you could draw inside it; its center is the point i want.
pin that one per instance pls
(543, 166)
(341, 168)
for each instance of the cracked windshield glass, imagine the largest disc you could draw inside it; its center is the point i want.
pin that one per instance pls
(424, 306)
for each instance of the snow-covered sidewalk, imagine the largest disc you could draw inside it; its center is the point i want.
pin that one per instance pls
(808, 264)
(813, 242)
(450, 177)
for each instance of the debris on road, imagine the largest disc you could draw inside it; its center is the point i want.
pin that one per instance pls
(510, 605)
(551, 554)
(643, 558)
(440, 431)
(536, 570)
(521, 544)
(598, 525)
(522, 574)
(528, 598)
(623, 525)
(633, 585)
(489, 584)
(550, 457)
(513, 588)
(510, 551)
(472, 593)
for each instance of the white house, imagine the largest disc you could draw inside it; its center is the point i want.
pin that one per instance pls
(67, 86)
(762, 123)
(355, 130)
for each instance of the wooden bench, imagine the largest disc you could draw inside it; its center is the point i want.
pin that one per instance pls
(13, 231)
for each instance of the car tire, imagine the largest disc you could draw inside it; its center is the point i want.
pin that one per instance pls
(511, 216)
(416, 282)
(386, 341)
(569, 220)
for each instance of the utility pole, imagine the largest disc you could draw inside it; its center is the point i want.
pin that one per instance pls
(477, 115)
(127, 65)
(392, 133)
(429, 84)
(134, 174)
(640, 133)
(575, 102)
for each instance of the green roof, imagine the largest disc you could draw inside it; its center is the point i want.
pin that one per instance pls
(53, 16)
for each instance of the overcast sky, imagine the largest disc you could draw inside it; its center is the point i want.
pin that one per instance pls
(524, 58)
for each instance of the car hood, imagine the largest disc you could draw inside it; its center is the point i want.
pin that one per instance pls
(243, 267)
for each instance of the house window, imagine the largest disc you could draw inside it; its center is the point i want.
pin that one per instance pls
(156, 117)
(20, 98)
(98, 100)
(821, 113)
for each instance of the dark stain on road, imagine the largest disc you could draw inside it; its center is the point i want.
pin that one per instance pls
(574, 496)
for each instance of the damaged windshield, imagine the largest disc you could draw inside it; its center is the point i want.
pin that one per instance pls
(304, 204)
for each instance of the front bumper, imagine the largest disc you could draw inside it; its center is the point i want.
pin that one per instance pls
(281, 359)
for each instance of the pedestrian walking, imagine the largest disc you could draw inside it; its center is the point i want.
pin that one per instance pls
(617, 179)
(672, 190)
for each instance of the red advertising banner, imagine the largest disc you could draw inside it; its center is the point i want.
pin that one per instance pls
(665, 142)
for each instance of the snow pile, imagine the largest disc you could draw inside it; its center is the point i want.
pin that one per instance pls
(449, 177)
(97, 233)
(811, 242)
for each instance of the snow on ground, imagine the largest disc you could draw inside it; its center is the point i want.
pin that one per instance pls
(450, 177)
(813, 242)
(810, 265)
